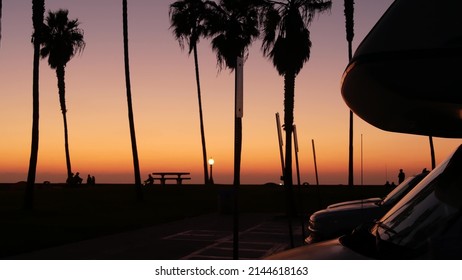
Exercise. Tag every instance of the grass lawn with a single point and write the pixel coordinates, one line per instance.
(62, 214)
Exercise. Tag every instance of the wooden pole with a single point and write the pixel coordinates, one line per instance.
(315, 164)
(281, 143)
(239, 112)
(296, 155)
(300, 196)
(432, 152)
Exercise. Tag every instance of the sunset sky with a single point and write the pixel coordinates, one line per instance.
(166, 109)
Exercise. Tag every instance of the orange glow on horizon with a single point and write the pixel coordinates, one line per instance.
(166, 107)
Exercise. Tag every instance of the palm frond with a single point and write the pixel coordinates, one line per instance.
(349, 21)
(187, 22)
(233, 26)
(271, 21)
(61, 38)
(286, 38)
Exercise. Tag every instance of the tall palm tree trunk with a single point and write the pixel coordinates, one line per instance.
(66, 146)
(38, 9)
(0, 20)
(201, 119)
(349, 25)
(289, 101)
(60, 74)
(136, 166)
(350, 152)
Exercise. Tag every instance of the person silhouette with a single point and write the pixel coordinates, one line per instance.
(149, 181)
(77, 179)
(401, 176)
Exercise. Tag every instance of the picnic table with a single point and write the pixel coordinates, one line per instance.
(177, 176)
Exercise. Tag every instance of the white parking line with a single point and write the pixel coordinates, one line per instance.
(222, 244)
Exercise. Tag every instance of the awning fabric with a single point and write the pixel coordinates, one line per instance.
(406, 75)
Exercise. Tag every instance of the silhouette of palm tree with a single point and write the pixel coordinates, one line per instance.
(0, 20)
(286, 41)
(349, 26)
(38, 9)
(233, 26)
(61, 40)
(136, 165)
(187, 21)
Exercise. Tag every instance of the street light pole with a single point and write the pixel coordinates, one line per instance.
(211, 162)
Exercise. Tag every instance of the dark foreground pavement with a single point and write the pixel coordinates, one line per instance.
(204, 237)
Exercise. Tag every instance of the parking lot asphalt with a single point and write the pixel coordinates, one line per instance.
(204, 237)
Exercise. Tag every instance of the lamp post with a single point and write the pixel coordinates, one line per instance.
(211, 162)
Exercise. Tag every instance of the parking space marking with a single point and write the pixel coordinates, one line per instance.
(255, 243)
(198, 235)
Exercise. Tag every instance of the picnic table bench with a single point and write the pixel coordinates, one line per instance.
(176, 176)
